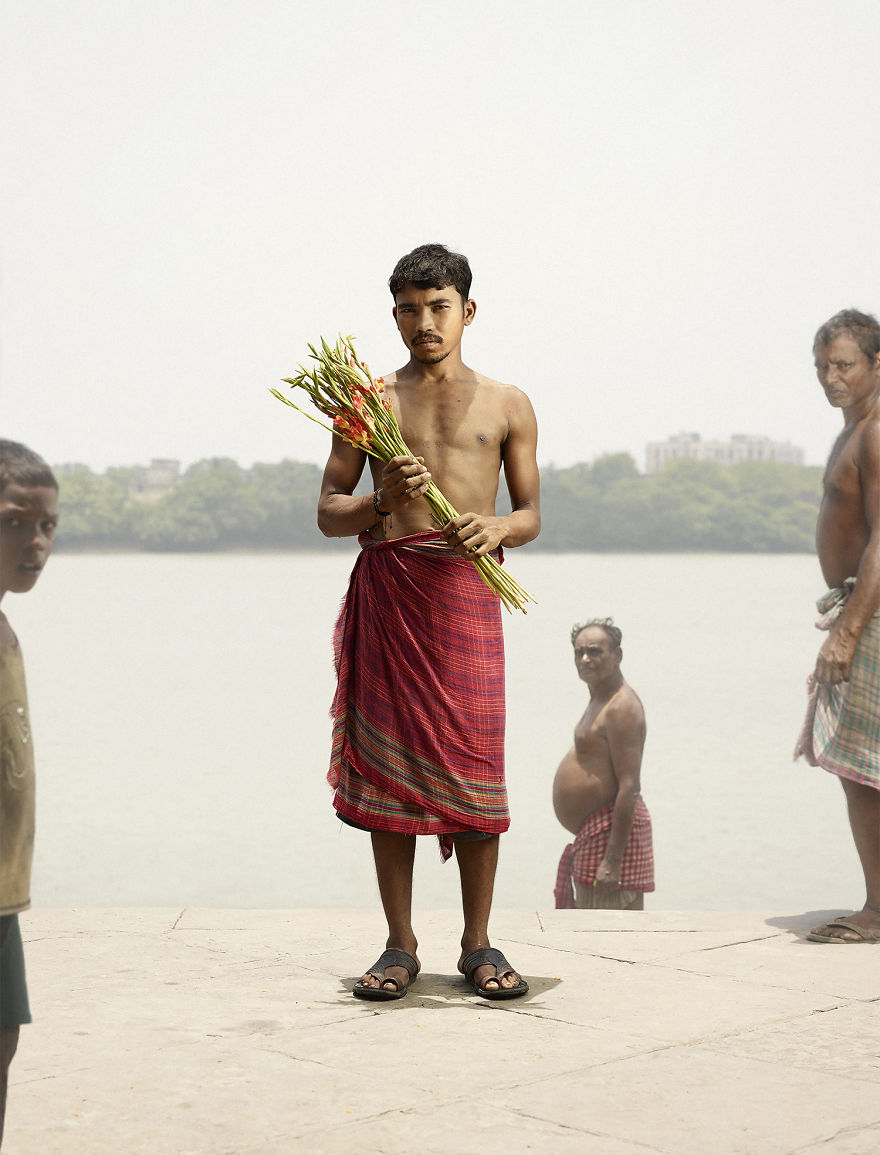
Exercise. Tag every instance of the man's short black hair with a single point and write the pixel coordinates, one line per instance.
(862, 327)
(21, 466)
(615, 636)
(432, 267)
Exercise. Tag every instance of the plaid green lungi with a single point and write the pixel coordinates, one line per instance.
(841, 732)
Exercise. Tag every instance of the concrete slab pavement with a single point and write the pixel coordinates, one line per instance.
(223, 1031)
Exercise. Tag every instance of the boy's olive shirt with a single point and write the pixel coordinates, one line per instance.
(17, 792)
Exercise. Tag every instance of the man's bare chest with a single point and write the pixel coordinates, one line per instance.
(456, 423)
(842, 481)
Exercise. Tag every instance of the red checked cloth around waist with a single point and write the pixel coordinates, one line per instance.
(418, 715)
(582, 858)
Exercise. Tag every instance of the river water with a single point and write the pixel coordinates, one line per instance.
(179, 705)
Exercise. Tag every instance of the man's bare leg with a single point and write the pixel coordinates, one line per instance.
(477, 862)
(8, 1046)
(394, 855)
(863, 806)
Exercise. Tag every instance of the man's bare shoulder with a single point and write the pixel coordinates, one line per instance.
(866, 446)
(625, 708)
(510, 401)
(512, 392)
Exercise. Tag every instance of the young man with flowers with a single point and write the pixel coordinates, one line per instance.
(418, 736)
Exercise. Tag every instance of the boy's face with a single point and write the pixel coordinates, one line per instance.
(28, 517)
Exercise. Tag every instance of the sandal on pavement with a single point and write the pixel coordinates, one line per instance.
(388, 958)
(862, 933)
(488, 955)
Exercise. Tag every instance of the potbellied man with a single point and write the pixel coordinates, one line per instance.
(597, 793)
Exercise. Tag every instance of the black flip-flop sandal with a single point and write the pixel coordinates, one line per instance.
(388, 958)
(489, 955)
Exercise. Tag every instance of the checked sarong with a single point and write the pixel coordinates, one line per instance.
(418, 714)
(841, 732)
(583, 857)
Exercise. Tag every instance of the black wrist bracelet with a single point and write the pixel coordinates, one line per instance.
(380, 512)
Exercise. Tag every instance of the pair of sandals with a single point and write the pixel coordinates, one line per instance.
(484, 956)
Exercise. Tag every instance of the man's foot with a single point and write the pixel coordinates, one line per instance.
(490, 974)
(390, 976)
(863, 926)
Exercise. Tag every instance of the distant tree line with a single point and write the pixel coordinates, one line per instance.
(602, 506)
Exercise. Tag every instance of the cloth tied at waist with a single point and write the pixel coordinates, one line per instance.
(419, 710)
(841, 730)
(582, 858)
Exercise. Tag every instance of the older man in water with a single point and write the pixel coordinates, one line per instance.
(597, 790)
(842, 732)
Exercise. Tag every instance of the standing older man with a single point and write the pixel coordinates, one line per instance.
(597, 788)
(418, 735)
(842, 732)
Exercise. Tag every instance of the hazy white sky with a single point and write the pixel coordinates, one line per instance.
(660, 201)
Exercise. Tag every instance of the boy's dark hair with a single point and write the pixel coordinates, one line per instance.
(432, 267)
(21, 466)
(615, 635)
(862, 327)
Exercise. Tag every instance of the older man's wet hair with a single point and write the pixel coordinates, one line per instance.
(862, 327)
(614, 635)
(432, 267)
(21, 466)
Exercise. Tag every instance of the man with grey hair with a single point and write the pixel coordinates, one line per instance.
(842, 730)
(597, 789)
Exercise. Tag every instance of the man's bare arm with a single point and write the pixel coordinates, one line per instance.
(473, 533)
(837, 652)
(340, 514)
(624, 734)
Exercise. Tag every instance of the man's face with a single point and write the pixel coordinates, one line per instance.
(431, 321)
(595, 658)
(28, 517)
(847, 375)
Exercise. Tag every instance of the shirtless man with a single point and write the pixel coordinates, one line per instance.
(597, 792)
(843, 735)
(419, 709)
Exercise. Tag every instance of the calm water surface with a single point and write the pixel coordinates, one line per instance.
(180, 711)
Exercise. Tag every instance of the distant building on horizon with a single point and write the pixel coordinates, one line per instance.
(146, 483)
(740, 447)
(150, 482)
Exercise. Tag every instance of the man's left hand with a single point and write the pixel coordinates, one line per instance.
(835, 659)
(473, 534)
(608, 875)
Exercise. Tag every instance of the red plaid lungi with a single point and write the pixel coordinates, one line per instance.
(419, 711)
(582, 858)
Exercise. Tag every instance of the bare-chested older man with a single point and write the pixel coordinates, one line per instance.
(597, 788)
(843, 726)
(418, 736)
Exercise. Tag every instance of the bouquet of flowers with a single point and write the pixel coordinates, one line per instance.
(342, 388)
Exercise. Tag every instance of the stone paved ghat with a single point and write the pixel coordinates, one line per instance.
(233, 1031)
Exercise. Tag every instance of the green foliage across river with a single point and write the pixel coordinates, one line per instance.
(603, 506)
